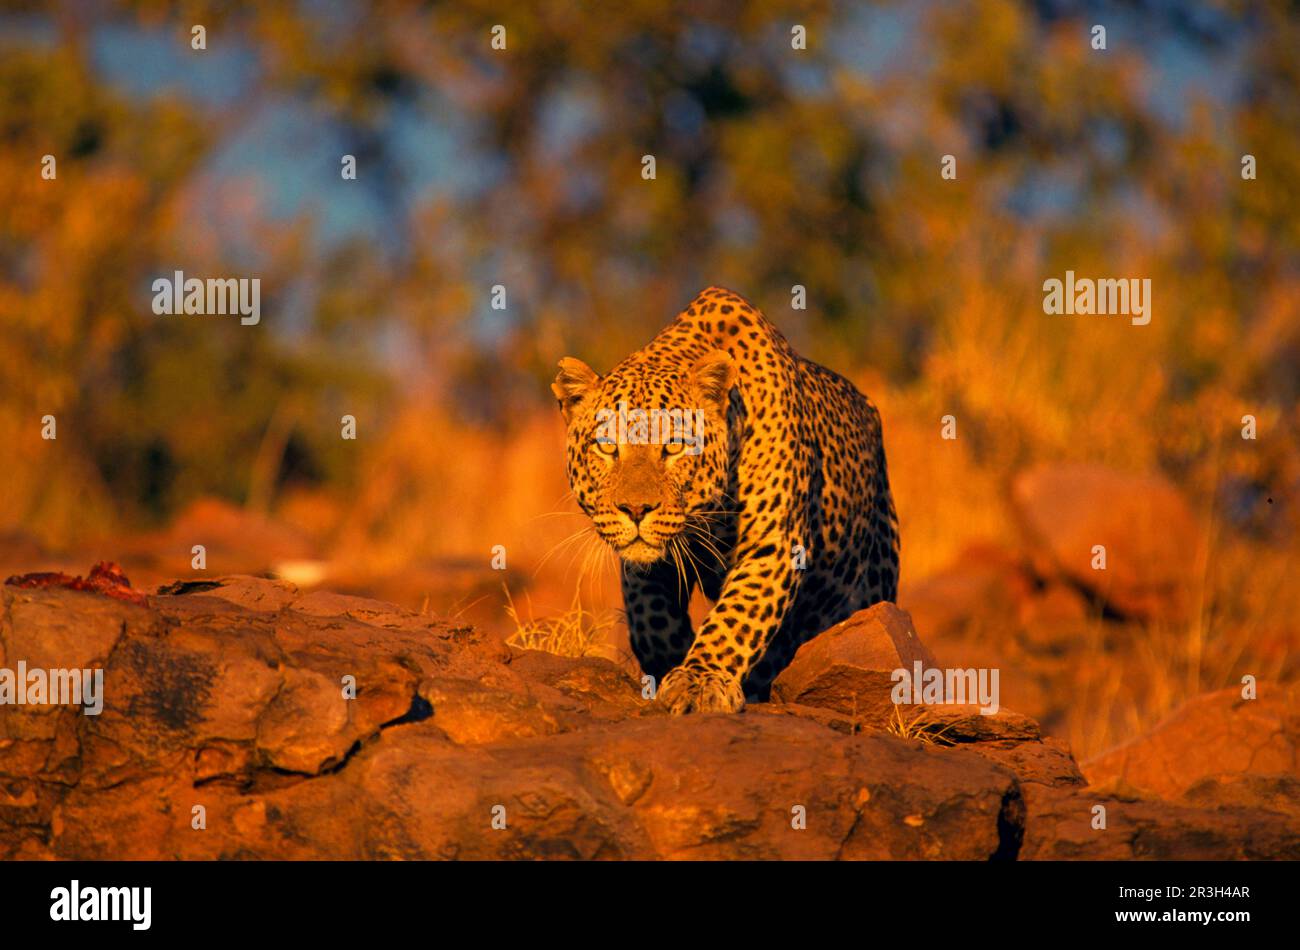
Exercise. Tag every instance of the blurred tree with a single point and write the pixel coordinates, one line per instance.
(775, 167)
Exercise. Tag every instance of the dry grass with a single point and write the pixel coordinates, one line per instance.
(1119, 690)
(920, 727)
(576, 632)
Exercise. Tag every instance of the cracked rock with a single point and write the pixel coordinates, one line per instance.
(244, 720)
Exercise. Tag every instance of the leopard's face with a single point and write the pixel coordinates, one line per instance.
(647, 449)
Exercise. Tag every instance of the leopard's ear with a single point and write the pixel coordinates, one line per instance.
(713, 375)
(574, 380)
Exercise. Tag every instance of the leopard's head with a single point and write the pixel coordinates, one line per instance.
(647, 447)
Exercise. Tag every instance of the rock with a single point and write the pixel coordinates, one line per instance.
(1059, 826)
(1043, 762)
(243, 719)
(1056, 606)
(470, 713)
(849, 667)
(255, 593)
(604, 690)
(1151, 538)
(984, 584)
(1005, 737)
(226, 706)
(1279, 793)
(958, 722)
(1216, 734)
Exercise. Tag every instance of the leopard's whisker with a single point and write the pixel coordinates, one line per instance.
(682, 582)
(718, 557)
(560, 545)
(693, 562)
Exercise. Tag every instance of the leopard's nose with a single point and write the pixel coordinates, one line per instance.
(637, 512)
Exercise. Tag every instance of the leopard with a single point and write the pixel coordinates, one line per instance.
(716, 459)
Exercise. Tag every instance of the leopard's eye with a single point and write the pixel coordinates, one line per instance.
(606, 447)
(674, 448)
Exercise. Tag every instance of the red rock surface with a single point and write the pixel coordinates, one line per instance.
(1059, 825)
(849, 668)
(225, 699)
(1216, 735)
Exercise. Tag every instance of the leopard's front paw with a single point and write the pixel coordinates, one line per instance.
(690, 689)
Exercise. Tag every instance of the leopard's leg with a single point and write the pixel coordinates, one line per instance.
(780, 651)
(750, 611)
(656, 600)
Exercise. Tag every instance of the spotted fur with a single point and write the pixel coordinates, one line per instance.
(791, 464)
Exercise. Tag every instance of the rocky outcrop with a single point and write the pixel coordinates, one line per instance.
(244, 719)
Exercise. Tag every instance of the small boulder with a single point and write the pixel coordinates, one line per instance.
(849, 668)
(1150, 536)
(983, 585)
